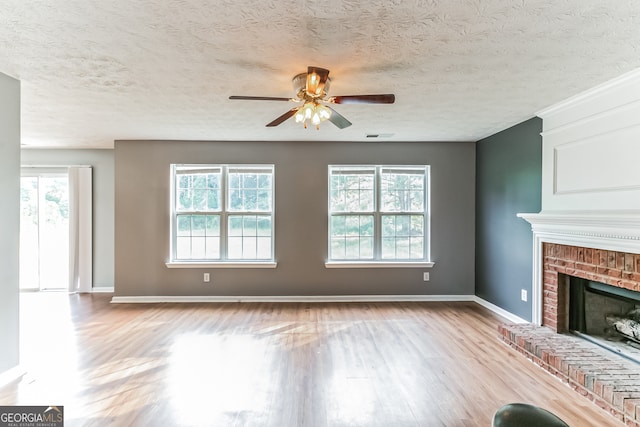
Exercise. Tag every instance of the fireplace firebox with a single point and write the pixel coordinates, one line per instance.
(605, 315)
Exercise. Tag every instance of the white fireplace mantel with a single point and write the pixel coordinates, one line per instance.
(608, 231)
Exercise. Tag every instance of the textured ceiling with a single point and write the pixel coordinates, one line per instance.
(94, 71)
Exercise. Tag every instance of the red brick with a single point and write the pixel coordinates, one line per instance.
(607, 393)
(551, 323)
(551, 301)
(637, 258)
(586, 267)
(595, 277)
(580, 377)
(631, 423)
(620, 260)
(630, 275)
(598, 387)
(558, 251)
(562, 252)
(629, 262)
(611, 259)
(565, 252)
(550, 287)
(604, 258)
(613, 282)
(588, 255)
(580, 255)
(631, 407)
(610, 272)
(550, 277)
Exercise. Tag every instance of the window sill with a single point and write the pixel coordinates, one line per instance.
(373, 264)
(234, 264)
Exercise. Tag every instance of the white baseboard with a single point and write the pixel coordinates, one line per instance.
(11, 375)
(102, 290)
(318, 298)
(504, 313)
(294, 298)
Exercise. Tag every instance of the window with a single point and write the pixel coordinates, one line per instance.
(222, 213)
(378, 213)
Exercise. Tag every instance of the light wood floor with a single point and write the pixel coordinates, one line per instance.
(277, 364)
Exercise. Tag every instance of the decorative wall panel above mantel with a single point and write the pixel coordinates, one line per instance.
(590, 150)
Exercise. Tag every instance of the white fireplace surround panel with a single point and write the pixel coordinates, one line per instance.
(590, 174)
(591, 149)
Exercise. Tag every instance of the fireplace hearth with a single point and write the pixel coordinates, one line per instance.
(603, 375)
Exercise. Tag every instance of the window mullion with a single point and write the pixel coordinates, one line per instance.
(174, 213)
(223, 214)
(377, 229)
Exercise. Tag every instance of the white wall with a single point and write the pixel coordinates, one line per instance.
(9, 221)
(591, 150)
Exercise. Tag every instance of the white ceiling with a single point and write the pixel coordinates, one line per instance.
(95, 71)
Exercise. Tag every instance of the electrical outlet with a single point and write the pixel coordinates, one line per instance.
(523, 295)
(425, 276)
(206, 278)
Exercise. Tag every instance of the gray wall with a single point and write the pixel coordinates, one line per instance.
(9, 221)
(508, 181)
(103, 199)
(142, 179)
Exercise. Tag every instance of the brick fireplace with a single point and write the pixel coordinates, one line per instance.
(619, 269)
(594, 248)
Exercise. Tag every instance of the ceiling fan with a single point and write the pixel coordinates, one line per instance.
(311, 90)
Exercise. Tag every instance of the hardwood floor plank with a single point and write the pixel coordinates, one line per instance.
(277, 364)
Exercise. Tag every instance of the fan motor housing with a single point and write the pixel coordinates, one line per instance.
(300, 83)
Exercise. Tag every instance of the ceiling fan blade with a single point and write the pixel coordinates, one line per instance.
(283, 117)
(316, 79)
(338, 119)
(387, 98)
(259, 98)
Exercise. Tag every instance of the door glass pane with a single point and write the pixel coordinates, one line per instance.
(54, 233)
(44, 232)
(29, 247)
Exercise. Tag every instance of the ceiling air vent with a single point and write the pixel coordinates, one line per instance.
(379, 135)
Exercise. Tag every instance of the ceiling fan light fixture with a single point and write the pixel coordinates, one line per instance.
(311, 90)
(314, 112)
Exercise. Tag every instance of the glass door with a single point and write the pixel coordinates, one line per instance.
(44, 231)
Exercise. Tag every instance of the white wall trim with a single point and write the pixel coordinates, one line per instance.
(499, 311)
(103, 290)
(11, 375)
(319, 298)
(588, 94)
(292, 298)
(221, 264)
(372, 264)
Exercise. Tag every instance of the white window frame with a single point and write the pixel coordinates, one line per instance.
(224, 213)
(377, 261)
